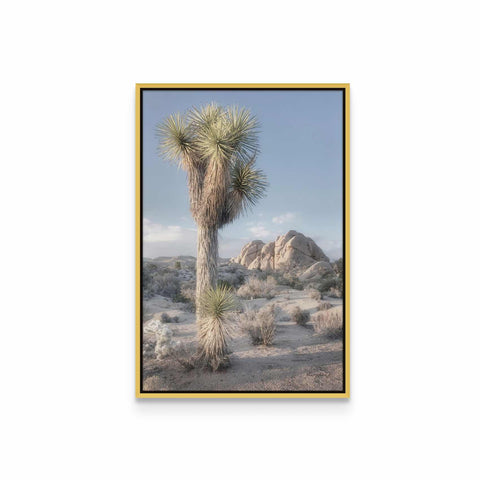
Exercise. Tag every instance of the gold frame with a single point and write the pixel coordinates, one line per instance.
(138, 350)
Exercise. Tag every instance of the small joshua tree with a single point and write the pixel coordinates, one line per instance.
(215, 328)
(217, 147)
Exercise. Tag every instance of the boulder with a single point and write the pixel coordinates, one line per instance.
(267, 257)
(249, 253)
(316, 271)
(295, 251)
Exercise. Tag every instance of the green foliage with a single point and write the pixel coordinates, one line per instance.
(217, 302)
(215, 328)
(178, 265)
(217, 146)
(248, 184)
(219, 132)
(177, 140)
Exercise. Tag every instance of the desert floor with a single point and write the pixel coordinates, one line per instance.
(298, 360)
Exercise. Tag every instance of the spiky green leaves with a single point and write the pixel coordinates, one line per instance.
(243, 131)
(176, 138)
(217, 147)
(248, 184)
(212, 132)
(217, 302)
(214, 328)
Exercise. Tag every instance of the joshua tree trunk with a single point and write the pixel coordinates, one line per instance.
(207, 255)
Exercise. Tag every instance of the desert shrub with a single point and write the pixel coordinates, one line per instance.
(166, 318)
(330, 284)
(296, 284)
(226, 284)
(231, 278)
(158, 280)
(168, 285)
(188, 293)
(329, 323)
(189, 307)
(238, 279)
(184, 355)
(300, 317)
(324, 306)
(229, 268)
(215, 327)
(271, 280)
(178, 265)
(259, 325)
(187, 297)
(338, 267)
(288, 280)
(261, 275)
(315, 294)
(266, 319)
(256, 288)
(179, 298)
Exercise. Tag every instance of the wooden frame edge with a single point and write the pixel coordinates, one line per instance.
(138, 88)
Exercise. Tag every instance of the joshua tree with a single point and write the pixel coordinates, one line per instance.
(217, 147)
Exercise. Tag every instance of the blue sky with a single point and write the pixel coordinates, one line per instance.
(300, 152)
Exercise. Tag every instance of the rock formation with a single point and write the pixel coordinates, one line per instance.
(316, 270)
(290, 252)
(249, 253)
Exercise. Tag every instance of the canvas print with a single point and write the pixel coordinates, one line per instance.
(242, 254)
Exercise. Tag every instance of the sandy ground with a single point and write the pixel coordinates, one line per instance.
(298, 360)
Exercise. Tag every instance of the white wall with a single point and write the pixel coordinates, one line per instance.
(67, 242)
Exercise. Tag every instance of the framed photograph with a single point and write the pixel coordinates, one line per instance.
(242, 240)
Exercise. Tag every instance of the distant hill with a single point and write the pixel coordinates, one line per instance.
(185, 260)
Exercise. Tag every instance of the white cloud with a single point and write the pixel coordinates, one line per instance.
(167, 240)
(286, 217)
(260, 231)
(155, 232)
